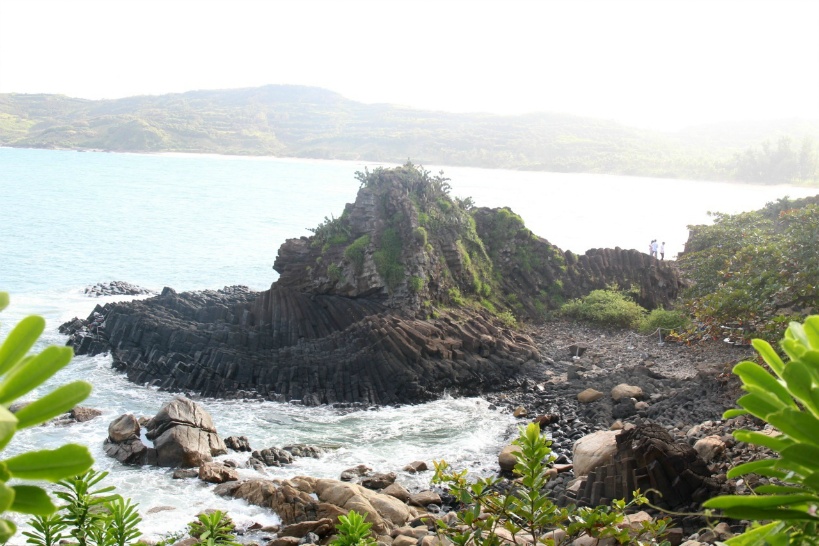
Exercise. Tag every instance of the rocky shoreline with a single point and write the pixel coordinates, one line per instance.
(684, 389)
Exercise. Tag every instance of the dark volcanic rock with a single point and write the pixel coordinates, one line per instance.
(383, 305)
(116, 288)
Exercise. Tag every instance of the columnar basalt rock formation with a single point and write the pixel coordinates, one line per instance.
(408, 294)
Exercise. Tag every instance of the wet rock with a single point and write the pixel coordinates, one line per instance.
(184, 435)
(238, 443)
(212, 472)
(415, 467)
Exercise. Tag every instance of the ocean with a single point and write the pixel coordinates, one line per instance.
(191, 222)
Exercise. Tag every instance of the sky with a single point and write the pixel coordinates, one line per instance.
(662, 64)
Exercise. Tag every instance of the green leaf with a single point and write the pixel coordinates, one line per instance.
(8, 426)
(811, 329)
(769, 355)
(6, 497)
(52, 465)
(756, 467)
(735, 412)
(765, 514)
(30, 499)
(35, 372)
(7, 530)
(760, 404)
(779, 490)
(776, 443)
(4, 300)
(19, 341)
(801, 426)
(800, 382)
(757, 535)
(53, 404)
(801, 454)
(759, 501)
(753, 375)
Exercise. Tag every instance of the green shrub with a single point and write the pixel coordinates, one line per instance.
(356, 252)
(416, 284)
(754, 267)
(525, 511)
(353, 531)
(335, 272)
(455, 297)
(665, 320)
(214, 529)
(785, 510)
(607, 307)
(20, 373)
(508, 319)
(387, 258)
(420, 235)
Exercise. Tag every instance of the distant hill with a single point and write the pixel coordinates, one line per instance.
(308, 122)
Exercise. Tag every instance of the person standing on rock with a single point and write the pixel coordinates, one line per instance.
(662, 251)
(653, 248)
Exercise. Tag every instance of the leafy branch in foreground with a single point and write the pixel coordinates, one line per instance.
(525, 515)
(20, 373)
(787, 399)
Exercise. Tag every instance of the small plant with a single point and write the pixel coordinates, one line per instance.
(788, 399)
(416, 284)
(353, 531)
(214, 529)
(335, 272)
(526, 513)
(608, 307)
(508, 319)
(84, 510)
(356, 252)
(455, 297)
(665, 320)
(47, 530)
(20, 373)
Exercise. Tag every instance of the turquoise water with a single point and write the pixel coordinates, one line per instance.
(70, 220)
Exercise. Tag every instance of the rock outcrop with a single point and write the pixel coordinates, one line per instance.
(182, 432)
(647, 457)
(407, 295)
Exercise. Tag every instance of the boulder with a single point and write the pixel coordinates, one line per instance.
(589, 395)
(507, 459)
(378, 480)
(272, 456)
(710, 448)
(593, 450)
(425, 498)
(415, 467)
(626, 391)
(398, 491)
(237, 443)
(124, 444)
(217, 473)
(184, 435)
(82, 414)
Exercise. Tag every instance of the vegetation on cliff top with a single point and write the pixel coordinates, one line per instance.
(755, 271)
(309, 122)
(432, 250)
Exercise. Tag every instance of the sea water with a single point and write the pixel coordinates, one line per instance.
(69, 220)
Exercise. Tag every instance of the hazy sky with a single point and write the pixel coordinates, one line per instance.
(654, 63)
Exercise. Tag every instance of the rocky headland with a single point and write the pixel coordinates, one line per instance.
(408, 294)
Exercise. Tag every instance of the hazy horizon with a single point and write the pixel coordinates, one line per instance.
(653, 64)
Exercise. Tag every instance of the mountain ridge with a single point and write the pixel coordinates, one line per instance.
(316, 123)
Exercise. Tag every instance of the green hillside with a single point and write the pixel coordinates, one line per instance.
(309, 122)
